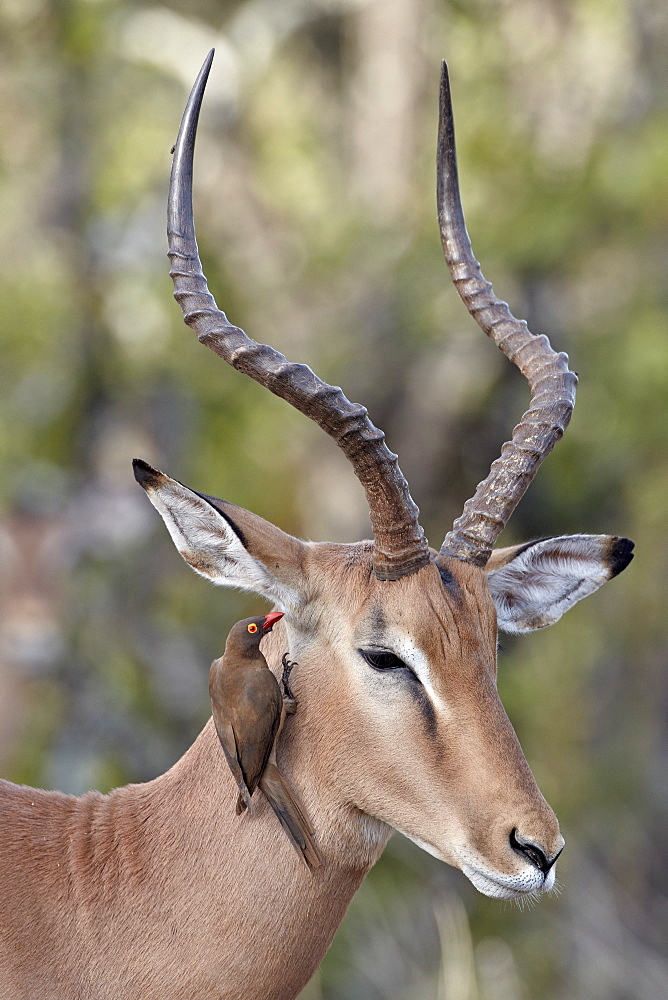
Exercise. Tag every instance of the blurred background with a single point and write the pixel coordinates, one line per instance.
(317, 224)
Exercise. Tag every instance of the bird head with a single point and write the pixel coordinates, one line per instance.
(250, 631)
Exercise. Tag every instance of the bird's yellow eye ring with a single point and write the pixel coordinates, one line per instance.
(252, 627)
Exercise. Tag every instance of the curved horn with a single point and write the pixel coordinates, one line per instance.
(400, 547)
(552, 384)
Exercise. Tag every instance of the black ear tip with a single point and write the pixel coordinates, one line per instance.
(145, 474)
(620, 554)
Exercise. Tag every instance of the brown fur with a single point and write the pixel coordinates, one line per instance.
(159, 891)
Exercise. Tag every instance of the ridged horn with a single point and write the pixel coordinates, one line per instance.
(551, 383)
(400, 547)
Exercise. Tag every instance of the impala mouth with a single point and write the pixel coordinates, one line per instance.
(529, 882)
(525, 883)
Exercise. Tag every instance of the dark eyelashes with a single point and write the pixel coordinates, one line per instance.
(383, 660)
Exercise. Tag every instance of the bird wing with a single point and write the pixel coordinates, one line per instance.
(229, 745)
(255, 723)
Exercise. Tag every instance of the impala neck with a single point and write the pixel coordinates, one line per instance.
(267, 936)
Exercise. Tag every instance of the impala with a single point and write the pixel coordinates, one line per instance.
(159, 890)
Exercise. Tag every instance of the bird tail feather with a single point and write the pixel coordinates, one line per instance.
(290, 815)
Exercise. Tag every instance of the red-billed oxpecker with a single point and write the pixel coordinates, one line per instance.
(249, 711)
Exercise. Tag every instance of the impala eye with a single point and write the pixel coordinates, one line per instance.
(382, 659)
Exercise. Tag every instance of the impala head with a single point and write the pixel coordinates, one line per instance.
(396, 642)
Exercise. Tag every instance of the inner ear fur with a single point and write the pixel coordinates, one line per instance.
(280, 553)
(226, 544)
(534, 584)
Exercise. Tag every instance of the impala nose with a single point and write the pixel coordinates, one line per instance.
(532, 852)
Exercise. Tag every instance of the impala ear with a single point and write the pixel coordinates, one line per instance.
(226, 544)
(533, 585)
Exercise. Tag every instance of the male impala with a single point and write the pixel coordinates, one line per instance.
(160, 891)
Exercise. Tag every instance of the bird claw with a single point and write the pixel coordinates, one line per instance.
(289, 699)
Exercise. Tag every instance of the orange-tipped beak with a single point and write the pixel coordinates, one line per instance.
(271, 620)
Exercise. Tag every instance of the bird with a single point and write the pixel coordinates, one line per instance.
(249, 712)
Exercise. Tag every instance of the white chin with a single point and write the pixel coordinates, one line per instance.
(527, 883)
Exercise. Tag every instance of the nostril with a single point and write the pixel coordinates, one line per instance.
(532, 852)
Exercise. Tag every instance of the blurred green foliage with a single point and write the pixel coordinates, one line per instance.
(316, 221)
